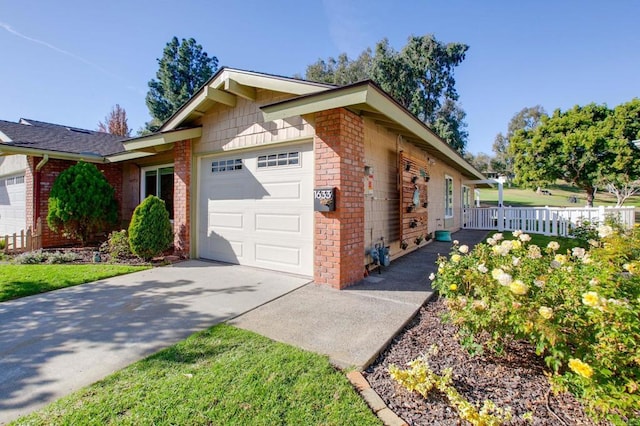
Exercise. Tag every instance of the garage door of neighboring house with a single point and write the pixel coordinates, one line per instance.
(12, 204)
(256, 208)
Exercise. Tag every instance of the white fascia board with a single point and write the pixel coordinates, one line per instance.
(162, 139)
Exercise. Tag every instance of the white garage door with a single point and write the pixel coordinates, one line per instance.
(256, 209)
(12, 205)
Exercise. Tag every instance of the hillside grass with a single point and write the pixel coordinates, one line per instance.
(560, 194)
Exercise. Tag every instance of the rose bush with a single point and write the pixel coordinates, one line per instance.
(581, 310)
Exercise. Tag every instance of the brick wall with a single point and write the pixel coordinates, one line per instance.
(47, 175)
(339, 162)
(181, 196)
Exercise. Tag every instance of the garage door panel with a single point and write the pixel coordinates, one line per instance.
(225, 221)
(259, 217)
(278, 255)
(12, 205)
(282, 191)
(278, 223)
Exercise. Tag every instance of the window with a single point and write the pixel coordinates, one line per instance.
(279, 160)
(226, 165)
(466, 197)
(19, 179)
(158, 181)
(448, 194)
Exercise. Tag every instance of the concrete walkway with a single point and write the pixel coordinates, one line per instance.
(55, 343)
(352, 326)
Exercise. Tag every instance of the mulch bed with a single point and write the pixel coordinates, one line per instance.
(514, 380)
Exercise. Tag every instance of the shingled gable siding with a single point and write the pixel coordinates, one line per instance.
(339, 162)
(48, 174)
(181, 196)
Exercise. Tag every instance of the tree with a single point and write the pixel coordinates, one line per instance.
(420, 77)
(622, 179)
(527, 119)
(183, 69)
(115, 123)
(150, 230)
(81, 203)
(481, 161)
(341, 71)
(582, 146)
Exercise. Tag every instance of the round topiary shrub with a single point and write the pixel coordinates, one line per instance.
(150, 230)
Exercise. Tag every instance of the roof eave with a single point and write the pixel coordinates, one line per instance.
(233, 82)
(161, 141)
(367, 95)
(6, 149)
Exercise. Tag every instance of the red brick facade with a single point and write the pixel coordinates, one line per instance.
(339, 162)
(181, 196)
(42, 181)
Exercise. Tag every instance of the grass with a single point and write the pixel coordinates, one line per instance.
(221, 376)
(25, 280)
(559, 197)
(542, 241)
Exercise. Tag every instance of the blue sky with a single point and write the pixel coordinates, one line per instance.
(70, 61)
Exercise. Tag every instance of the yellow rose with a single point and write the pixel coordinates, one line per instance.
(591, 298)
(560, 258)
(456, 258)
(453, 287)
(545, 312)
(518, 287)
(580, 368)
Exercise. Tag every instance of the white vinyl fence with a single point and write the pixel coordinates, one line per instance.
(556, 221)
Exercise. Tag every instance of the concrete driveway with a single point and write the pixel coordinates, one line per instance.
(55, 343)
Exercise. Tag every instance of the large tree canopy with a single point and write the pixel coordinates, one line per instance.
(183, 69)
(525, 119)
(420, 77)
(581, 146)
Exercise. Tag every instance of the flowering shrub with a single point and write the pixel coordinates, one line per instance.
(581, 310)
(420, 378)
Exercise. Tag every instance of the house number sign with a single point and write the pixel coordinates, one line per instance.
(324, 199)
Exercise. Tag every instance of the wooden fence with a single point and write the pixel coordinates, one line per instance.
(24, 241)
(556, 221)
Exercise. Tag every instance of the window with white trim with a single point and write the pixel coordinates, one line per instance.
(158, 181)
(466, 197)
(448, 197)
(282, 159)
(218, 166)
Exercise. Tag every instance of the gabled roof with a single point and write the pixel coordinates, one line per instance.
(32, 137)
(228, 84)
(367, 99)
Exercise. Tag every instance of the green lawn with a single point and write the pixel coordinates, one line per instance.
(222, 376)
(24, 280)
(559, 197)
(542, 241)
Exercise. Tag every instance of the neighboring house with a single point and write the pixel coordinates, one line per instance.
(241, 164)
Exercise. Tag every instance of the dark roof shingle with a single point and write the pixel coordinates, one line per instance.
(55, 137)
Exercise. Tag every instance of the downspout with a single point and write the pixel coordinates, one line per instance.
(36, 179)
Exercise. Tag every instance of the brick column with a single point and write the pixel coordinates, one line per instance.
(339, 162)
(182, 197)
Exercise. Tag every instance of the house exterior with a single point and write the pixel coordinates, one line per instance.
(282, 174)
